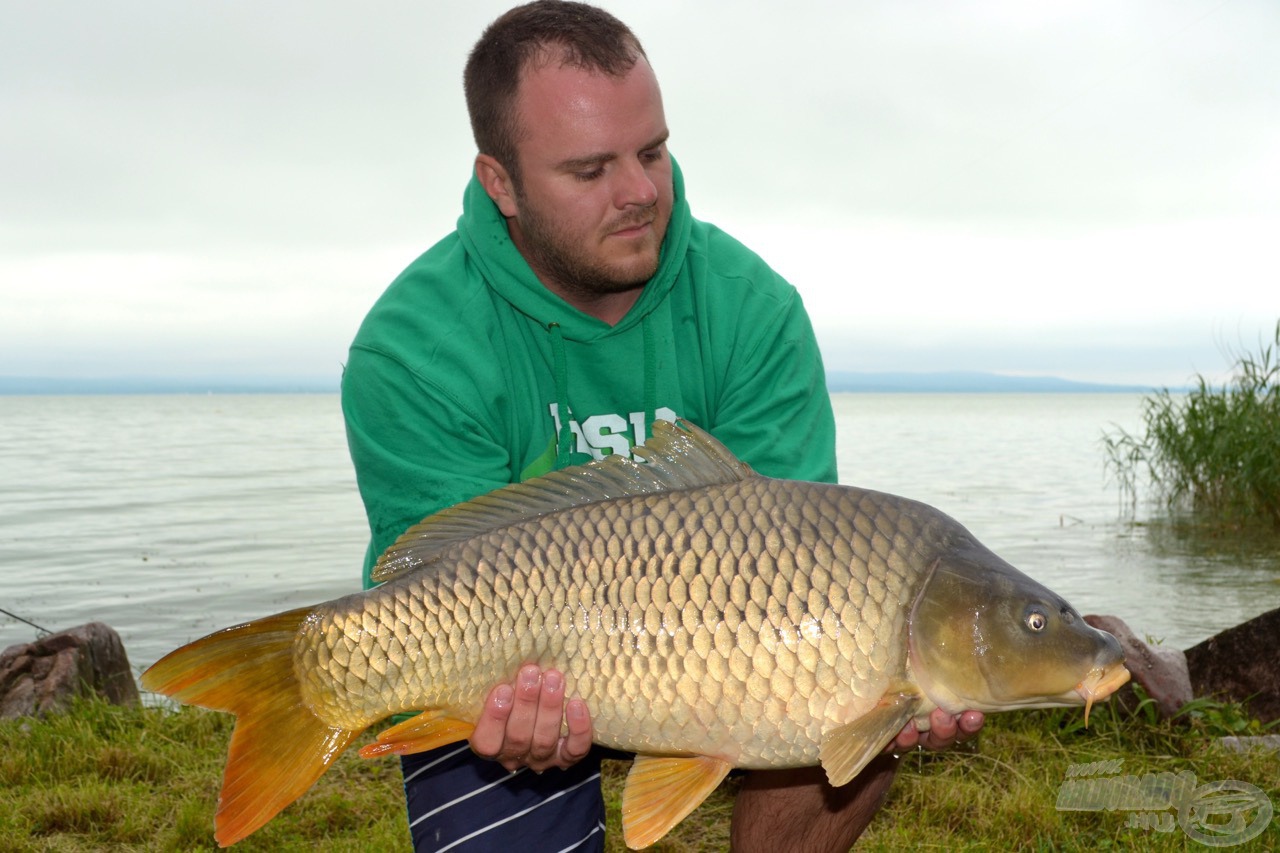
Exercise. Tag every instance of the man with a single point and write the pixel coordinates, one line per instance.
(577, 302)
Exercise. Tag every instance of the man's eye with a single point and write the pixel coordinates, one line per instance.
(653, 155)
(589, 176)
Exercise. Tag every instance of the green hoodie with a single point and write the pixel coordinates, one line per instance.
(460, 376)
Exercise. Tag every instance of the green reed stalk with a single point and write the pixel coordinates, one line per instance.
(1215, 451)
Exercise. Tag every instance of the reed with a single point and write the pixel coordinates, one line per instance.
(1214, 451)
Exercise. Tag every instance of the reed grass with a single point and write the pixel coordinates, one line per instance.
(146, 779)
(1214, 451)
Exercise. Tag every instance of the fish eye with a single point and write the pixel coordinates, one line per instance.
(1036, 619)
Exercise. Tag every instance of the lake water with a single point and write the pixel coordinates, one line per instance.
(170, 516)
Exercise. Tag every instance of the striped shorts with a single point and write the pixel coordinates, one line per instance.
(458, 801)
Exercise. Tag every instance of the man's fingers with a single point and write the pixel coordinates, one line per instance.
(505, 727)
(546, 728)
(523, 724)
(486, 741)
(906, 739)
(942, 728)
(970, 723)
(575, 746)
(945, 730)
(524, 713)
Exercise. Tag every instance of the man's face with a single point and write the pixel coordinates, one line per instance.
(594, 194)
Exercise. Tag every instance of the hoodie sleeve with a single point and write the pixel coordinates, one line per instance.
(774, 410)
(415, 449)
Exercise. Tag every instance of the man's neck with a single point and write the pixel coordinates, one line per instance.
(607, 307)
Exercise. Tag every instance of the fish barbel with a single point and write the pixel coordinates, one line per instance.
(710, 617)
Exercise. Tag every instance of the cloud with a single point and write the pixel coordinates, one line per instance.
(183, 182)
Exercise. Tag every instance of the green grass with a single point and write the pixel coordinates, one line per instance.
(1214, 451)
(107, 778)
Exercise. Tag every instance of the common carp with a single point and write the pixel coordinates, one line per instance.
(710, 617)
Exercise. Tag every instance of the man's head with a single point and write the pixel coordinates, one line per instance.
(569, 122)
(572, 34)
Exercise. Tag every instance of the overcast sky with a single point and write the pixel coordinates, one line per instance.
(1084, 189)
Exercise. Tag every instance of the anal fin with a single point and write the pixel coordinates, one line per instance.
(661, 790)
(418, 734)
(846, 750)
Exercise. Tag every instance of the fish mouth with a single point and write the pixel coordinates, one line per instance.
(1100, 683)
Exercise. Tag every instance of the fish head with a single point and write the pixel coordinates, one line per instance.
(986, 637)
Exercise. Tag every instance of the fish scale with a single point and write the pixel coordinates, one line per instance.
(709, 617)
(657, 611)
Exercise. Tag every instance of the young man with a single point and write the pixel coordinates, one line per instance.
(577, 302)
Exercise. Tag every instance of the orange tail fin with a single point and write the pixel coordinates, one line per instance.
(279, 747)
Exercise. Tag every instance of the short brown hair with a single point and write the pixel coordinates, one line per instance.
(588, 38)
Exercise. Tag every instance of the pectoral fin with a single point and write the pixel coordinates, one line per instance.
(661, 791)
(418, 734)
(846, 750)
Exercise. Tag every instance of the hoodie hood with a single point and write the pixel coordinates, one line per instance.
(483, 232)
(468, 374)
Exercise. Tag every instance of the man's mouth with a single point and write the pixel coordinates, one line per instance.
(633, 229)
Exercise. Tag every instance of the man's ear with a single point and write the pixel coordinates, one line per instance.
(496, 181)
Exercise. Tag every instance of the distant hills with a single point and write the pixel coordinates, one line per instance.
(953, 382)
(958, 382)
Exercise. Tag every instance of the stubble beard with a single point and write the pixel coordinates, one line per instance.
(554, 254)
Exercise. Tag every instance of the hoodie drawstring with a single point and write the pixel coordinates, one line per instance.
(650, 381)
(560, 368)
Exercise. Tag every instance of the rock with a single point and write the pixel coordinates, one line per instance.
(45, 676)
(1162, 671)
(1241, 662)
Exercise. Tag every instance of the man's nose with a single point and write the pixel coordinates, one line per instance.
(636, 187)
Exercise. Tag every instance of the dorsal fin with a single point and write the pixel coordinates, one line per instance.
(679, 456)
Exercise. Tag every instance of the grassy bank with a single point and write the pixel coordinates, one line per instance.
(105, 778)
(109, 778)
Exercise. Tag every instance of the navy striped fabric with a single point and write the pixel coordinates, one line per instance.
(460, 802)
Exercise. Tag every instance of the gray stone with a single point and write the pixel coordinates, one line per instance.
(46, 676)
(1162, 671)
(1242, 664)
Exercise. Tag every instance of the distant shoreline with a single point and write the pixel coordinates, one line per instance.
(953, 382)
(969, 382)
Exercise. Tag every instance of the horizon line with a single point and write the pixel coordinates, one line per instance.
(837, 381)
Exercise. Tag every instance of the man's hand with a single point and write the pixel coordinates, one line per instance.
(520, 725)
(945, 730)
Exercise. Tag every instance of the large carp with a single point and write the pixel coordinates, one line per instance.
(710, 617)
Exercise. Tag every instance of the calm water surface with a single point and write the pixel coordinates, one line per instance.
(171, 516)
